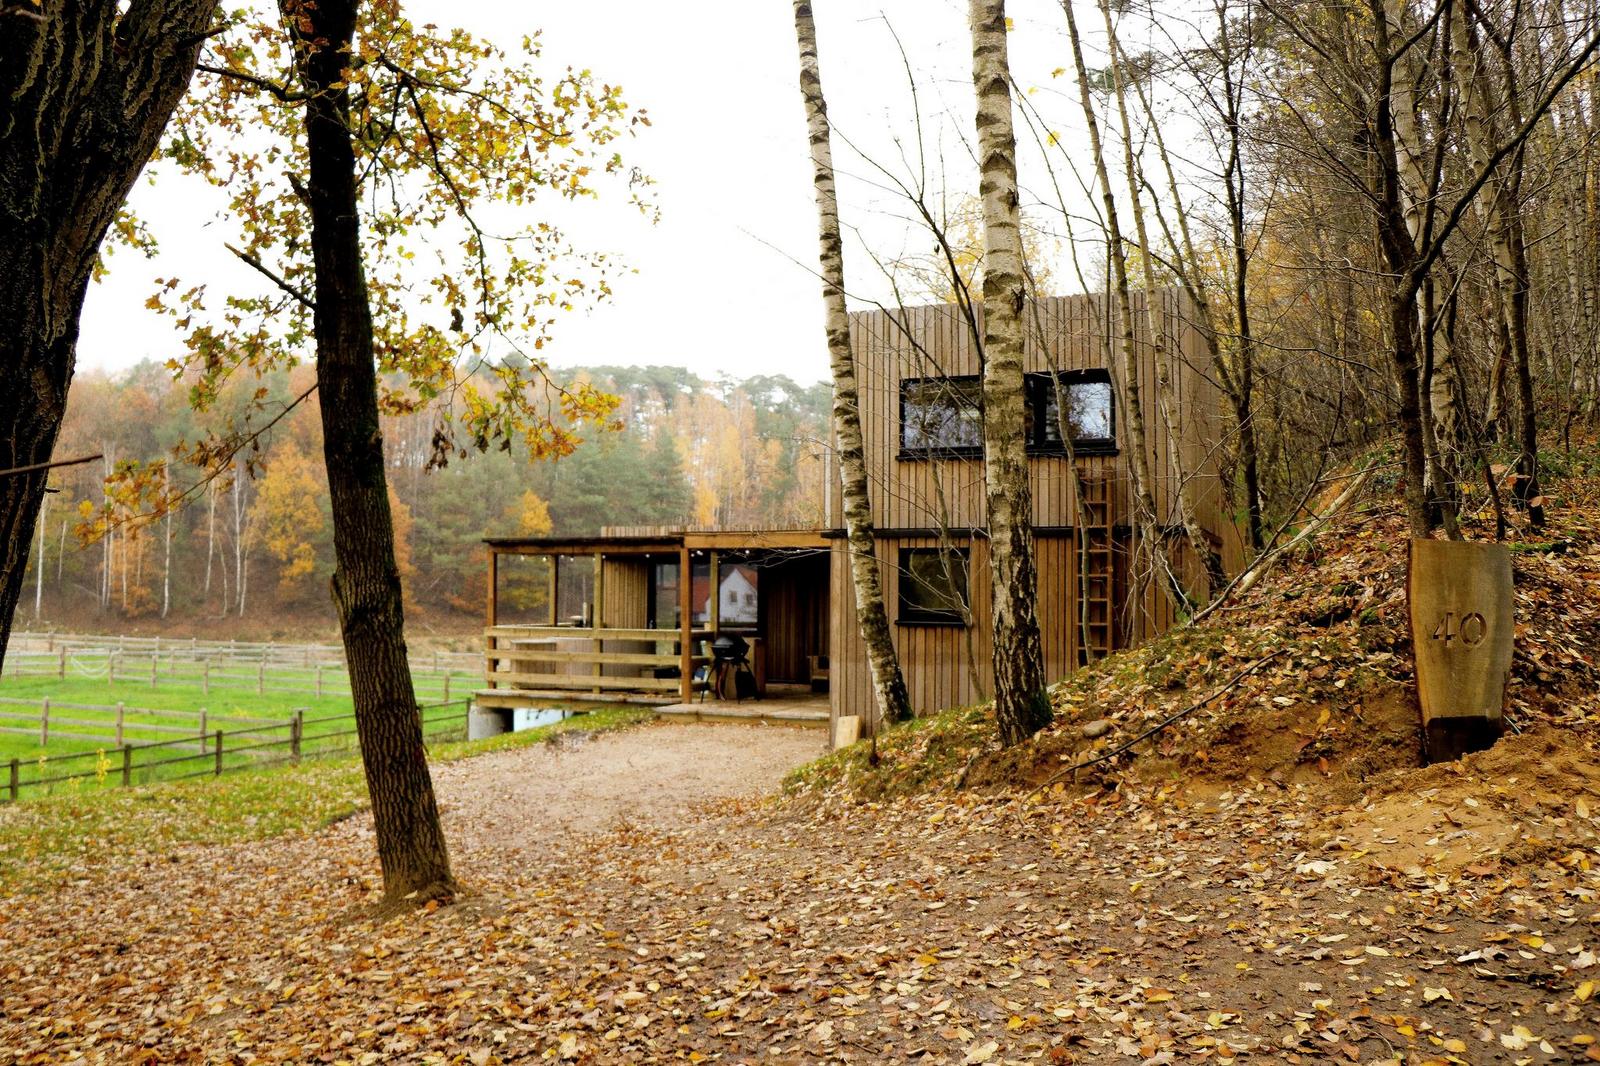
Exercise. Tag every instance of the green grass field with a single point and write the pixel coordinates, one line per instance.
(47, 839)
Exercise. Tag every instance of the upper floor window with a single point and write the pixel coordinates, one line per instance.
(1089, 412)
(943, 417)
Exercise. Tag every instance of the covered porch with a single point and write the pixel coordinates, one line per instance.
(630, 617)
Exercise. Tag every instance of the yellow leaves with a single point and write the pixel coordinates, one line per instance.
(982, 1052)
(1584, 990)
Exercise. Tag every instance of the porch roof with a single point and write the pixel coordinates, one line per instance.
(695, 539)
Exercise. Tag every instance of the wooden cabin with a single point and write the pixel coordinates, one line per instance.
(613, 617)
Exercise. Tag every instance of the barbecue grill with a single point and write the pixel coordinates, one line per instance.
(731, 676)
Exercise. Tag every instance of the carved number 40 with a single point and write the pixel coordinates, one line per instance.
(1470, 629)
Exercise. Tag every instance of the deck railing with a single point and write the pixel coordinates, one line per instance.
(556, 658)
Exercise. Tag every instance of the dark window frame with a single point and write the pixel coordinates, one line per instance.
(1037, 386)
(913, 615)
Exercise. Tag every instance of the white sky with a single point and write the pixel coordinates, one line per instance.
(723, 282)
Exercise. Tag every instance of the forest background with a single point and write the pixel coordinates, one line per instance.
(250, 553)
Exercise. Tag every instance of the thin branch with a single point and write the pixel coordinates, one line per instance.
(275, 278)
(35, 467)
(288, 96)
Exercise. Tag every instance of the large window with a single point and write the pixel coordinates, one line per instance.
(1089, 411)
(943, 417)
(933, 586)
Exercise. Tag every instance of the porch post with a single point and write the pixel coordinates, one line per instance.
(714, 604)
(599, 613)
(491, 615)
(490, 606)
(685, 627)
(555, 566)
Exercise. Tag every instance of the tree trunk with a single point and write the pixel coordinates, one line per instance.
(1021, 705)
(211, 534)
(1502, 219)
(166, 564)
(366, 579)
(85, 91)
(894, 704)
(1132, 406)
(1399, 249)
(38, 565)
(1205, 555)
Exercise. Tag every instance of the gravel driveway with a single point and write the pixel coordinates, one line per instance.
(653, 775)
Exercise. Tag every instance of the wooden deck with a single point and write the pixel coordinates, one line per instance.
(536, 697)
(806, 710)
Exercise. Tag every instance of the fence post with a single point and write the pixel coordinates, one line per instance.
(202, 729)
(219, 753)
(111, 668)
(205, 678)
(119, 723)
(296, 732)
(15, 783)
(44, 721)
(447, 687)
(155, 662)
(62, 671)
(127, 766)
(261, 678)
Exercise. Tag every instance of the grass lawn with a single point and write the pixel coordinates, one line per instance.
(50, 839)
(82, 734)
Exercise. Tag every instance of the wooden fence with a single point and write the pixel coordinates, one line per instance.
(170, 666)
(232, 651)
(46, 721)
(220, 751)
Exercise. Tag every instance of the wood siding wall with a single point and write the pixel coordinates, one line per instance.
(912, 494)
(794, 614)
(1065, 333)
(947, 666)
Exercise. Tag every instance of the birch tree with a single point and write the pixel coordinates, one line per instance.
(1166, 402)
(893, 702)
(1129, 394)
(1022, 707)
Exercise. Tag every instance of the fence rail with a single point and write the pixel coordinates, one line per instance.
(272, 652)
(221, 751)
(317, 679)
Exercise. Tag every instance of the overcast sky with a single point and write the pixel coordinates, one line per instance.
(723, 282)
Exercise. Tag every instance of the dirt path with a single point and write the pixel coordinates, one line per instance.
(654, 776)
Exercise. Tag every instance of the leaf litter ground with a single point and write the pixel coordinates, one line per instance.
(1273, 880)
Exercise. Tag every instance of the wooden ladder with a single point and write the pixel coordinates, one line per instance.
(1095, 611)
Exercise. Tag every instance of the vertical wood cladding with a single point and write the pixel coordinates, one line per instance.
(948, 665)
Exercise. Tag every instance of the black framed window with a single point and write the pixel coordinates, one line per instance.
(933, 586)
(943, 417)
(1091, 412)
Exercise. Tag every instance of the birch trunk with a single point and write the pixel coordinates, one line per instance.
(211, 534)
(166, 565)
(1502, 219)
(38, 566)
(366, 579)
(238, 539)
(1399, 250)
(1210, 562)
(1132, 407)
(893, 702)
(1022, 707)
